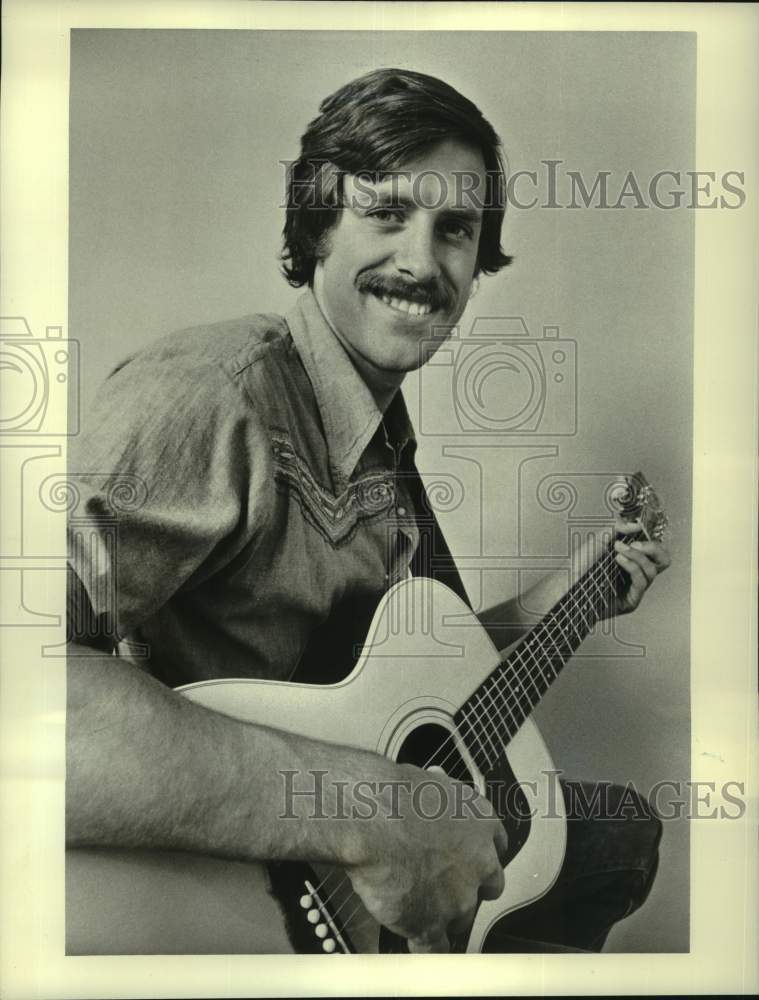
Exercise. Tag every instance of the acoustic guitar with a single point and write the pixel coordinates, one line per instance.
(429, 688)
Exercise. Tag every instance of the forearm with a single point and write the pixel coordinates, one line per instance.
(509, 621)
(147, 767)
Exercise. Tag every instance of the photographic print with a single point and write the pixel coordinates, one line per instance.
(368, 437)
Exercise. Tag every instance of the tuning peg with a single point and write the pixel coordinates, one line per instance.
(660, 528)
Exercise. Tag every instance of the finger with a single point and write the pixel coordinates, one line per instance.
(462, 924)
(656, 552)
(436, 941)
(436, 769)
(638, 583)
(627, 527)
(501, 842)
(492, 887)
(642, 561)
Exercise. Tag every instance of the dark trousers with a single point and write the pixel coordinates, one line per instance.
(609, 868)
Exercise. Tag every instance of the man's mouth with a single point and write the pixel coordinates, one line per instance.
(413, 300)
(405, 306)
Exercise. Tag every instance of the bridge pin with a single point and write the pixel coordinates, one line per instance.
(321, 930)
(329, 945)
(306, 902)
(313, 916)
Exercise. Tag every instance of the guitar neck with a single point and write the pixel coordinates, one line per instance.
(494, 713)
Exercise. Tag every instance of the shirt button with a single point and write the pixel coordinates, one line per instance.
(401, 512)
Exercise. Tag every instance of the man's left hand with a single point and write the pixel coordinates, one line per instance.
(642, 561)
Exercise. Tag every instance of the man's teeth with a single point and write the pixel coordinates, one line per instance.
(403, 305)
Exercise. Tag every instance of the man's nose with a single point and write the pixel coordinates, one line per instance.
(416, 255)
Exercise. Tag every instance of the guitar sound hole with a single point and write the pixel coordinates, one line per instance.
(432, 745)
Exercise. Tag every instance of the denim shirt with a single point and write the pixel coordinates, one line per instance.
(258, 497)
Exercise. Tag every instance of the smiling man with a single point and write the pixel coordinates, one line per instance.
(281, 501)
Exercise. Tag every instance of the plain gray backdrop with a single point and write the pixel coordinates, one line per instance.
(175, 219)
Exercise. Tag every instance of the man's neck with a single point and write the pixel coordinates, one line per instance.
(382, 384)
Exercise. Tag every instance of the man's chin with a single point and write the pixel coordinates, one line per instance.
(415, 354)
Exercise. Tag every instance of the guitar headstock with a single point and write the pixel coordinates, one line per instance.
(636, 500)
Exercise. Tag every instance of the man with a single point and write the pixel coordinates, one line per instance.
(281, 501)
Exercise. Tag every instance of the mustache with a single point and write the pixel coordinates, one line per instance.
(433, 292)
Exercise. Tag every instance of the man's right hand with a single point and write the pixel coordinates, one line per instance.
(423, 877)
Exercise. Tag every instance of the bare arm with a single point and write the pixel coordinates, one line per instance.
(147, 767)
(510, 620)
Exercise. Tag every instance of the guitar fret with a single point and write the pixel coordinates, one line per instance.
(536, 663)
(502, 735)
(518, 681)
(558, 653)
(516, 692)
(514, 726)
(465, 720)
(600, 595)
(517, 685)
(484, 729)
(475, 746)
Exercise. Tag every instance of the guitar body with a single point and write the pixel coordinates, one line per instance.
(425, 654)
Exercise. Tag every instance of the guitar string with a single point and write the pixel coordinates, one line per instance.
(572, 607)
(608, 561)
(351, 918)
(517, 678)
(514, 677)
(349, 921)
(516, 688)
(582, 587)
(516, 681)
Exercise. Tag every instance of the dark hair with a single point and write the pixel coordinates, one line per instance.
(374, 125)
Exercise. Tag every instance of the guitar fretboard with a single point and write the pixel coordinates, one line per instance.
(493, 714)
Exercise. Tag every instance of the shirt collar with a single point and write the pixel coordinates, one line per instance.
(347, 408)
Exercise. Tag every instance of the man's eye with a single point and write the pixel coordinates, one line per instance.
(387, 215)
(457, 230)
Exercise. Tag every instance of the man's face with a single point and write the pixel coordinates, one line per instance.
(400, 261)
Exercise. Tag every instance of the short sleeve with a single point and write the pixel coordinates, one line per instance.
(172, 472)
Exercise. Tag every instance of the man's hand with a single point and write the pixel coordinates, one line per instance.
(642, 561)
(423, 878)
(508, 622)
